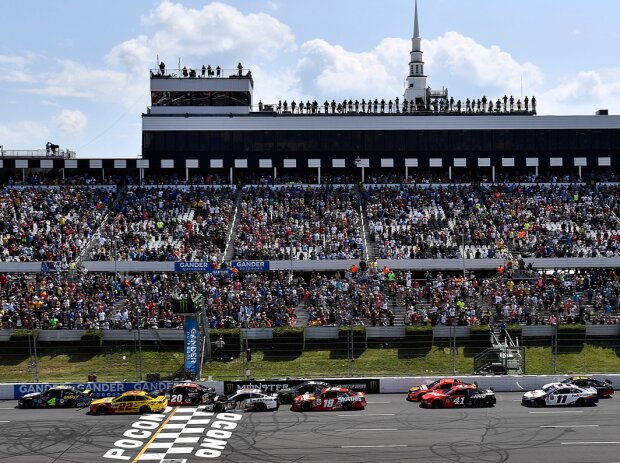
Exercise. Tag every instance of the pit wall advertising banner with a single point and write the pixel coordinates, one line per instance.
(99, 389)
(191, 345)
(368, 385)
(250, 265)
(200, 267)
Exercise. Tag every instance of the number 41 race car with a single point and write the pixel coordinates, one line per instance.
(459, 396)
(333, 398)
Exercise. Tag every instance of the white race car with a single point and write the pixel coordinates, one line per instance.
(246, 399)
(560, 394)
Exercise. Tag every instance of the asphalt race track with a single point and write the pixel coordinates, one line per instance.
(390, 429)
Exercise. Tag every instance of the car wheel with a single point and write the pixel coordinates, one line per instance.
(218, 407)
(145, 409)
(260, 407)
(102, 410)
(27, 404)
(539, 403)
(469, 403)
(195, 401)
(437, 404)
(284, 399)
(580, 402)
(70, 403)
(347, 406)
(306, 406)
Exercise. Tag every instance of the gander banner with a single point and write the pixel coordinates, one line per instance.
(191, 345)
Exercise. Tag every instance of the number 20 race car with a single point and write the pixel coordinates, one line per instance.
(560, 394)
(463, 395)
(57, 396)
(333, 398)
(189, 394)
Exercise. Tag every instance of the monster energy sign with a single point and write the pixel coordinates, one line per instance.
(183, 306)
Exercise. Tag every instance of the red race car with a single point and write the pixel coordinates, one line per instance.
(416, 392)
(332, 398)
(461, 395)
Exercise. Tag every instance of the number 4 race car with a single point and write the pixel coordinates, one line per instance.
(333, 398)
(57, 396)
(246, 399)
(560, 394)
(189, 394)
(129, 402)
(459, 396)
(603, 388)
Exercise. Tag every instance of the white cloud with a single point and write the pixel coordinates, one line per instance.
(214, 29)
(584, 94)
(71, 121)
(479, 65)
(273, 5)
(27, 133)
(15, 68)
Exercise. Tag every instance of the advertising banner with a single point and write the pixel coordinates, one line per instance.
(250, 265)
(191, 345)
(200, 267)
(368, 385)
(100, 389)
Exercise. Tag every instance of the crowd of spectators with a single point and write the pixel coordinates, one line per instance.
(298, 222)
(49, 224)
(167, 224)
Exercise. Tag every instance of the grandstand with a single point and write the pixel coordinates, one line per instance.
(420, 210)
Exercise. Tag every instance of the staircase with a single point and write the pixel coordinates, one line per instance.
(504, 358)
(229, 250)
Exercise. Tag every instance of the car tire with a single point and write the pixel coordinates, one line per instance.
(102, 410)
(437, 404)
(260, 407)
(219, 407)
(70, 403)
(284, 399)
(347, 406)
(539, 403)
(469, 403)
(580, 402)
(27, 404)
(306, 406)
(145, 409)
(195, 401)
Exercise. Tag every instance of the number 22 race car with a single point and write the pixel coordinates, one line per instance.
(333, 398)
(129, 402)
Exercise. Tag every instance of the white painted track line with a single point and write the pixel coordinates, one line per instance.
(372, 446)
(592, 443)
(556, 411)
(369, 414)
(572, 426)
(367, 429)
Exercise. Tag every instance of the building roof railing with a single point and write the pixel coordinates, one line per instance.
(201, 73)
(41, 153)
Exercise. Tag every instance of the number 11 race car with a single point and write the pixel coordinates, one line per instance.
(463, 395)
(332, 398)
(560, 394)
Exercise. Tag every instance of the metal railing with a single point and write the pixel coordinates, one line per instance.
(212, 73)
(42, 153)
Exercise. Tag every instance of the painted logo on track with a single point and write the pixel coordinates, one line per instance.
(178, 433)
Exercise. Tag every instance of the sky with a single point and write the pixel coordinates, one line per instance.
(76, 73)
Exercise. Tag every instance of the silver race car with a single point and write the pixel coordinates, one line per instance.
(246, 399)
(560, 394)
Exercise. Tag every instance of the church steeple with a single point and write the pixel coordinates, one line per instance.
(416, 81)
(416, 28)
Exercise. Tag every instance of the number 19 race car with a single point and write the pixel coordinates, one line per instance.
(332, 398)
(462, 395)
(189, 394)
(245, 399)
(603, 388)
(560, 394)
(129, 402)
(57, 396)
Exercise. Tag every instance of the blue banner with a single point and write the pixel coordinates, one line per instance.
(250, 265)
(204, 267)
(100, 389)
(191, 345)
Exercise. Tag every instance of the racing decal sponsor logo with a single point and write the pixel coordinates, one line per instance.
(175, 433)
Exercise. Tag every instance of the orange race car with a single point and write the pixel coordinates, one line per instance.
(416, 392)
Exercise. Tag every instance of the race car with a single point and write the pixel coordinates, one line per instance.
(286, 396)
(416, 392)
(560, 394)
(331, 398)
(461, 395)
(245, 399)
(603, 388)
(189, 394)
(57, 396)
(129, 402)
